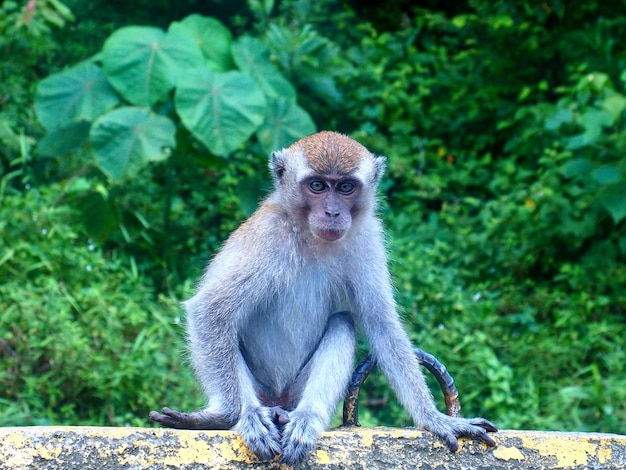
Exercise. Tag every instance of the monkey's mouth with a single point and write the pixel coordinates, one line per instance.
(330, 235)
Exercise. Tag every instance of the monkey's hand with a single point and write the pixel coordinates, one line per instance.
(196, 420)
(300, 436)
(258, 429)
(450, 429)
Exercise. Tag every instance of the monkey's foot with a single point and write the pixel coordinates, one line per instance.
(194, 420)
(450, 429)
(257, 427)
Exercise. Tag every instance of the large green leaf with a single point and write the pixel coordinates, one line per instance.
(127, 138)
(212, 37)
(576, 167)
(143, 63)
(607, 174)
(222, 110)
(614, 201)
(284, 123)
(99, 213)
(60, 141)
(559, 117)
(593, 121)
(78, 93)
(253, 58)
(615, 104)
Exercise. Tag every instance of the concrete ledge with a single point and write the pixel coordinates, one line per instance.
(70, 448)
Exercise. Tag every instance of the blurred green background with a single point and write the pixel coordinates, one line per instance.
(505, 198)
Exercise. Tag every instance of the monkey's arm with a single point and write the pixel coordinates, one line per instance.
(324, 381)
(391, 346)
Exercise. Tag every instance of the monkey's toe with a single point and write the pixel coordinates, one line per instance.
(449, 429)
(485, 424)
(170, 418)
(478, 428)
(487, 439)
(451, 442)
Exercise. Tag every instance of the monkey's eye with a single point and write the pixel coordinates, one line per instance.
(317, 186)
(346, 187)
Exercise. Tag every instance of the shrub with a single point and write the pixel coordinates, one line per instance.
(85, 339)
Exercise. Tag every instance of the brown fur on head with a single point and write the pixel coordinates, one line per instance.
(331, 152)
(327, 153)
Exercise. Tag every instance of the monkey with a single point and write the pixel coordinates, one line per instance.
(272, 325)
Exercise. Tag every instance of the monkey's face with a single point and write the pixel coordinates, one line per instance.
(327, 180)
(329, 205)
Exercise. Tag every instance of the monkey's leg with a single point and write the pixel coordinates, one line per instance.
(219, 383)
(257, 424)
(322, 382)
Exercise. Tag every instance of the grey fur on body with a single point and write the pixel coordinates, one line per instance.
(271, 326)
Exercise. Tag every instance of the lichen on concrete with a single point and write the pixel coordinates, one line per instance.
(98, 448)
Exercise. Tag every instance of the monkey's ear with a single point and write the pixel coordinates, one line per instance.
(277, 166)
(380, 163)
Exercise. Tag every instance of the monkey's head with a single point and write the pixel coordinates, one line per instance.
(328, 180)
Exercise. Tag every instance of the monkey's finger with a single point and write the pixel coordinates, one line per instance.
(260, 433)
(295, 450)
(279, 415)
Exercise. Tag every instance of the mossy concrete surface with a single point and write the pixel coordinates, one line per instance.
(100, 448)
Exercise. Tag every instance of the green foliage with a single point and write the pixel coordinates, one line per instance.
(213, 38)
(252, 57)
(181, 97)
(218, 113)
(506, 205)
(282, 124)
(32, 21)
(84, 338)
(220, 107)
(503, 124)
(143, 63)
(65, 98)
(310, 61)
(25, 42)
(126, 138)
